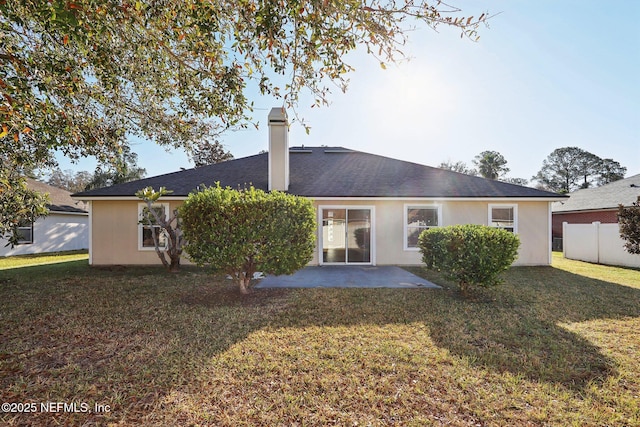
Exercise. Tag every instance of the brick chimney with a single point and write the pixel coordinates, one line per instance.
(278, 150)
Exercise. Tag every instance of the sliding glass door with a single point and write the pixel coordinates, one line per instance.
(346, 236)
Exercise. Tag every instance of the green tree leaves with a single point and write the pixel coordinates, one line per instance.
(469, 254)
(81, 77)
(20, 206)
(569, 168)
(629, 221)
(85, 75)
(491, 164)
(242, 232)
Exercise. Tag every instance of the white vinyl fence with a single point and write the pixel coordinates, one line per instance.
(598, 243)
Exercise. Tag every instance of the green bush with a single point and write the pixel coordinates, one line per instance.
(629, 222)
(469, 254)
(242, 232)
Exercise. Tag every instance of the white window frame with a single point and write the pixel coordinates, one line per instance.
(141, 207)
(25, 241)
(513, 206)
(405, 220)
(320, 243)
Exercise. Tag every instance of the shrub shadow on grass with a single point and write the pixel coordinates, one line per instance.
(128, 337)
(519, 328)
(515, 327)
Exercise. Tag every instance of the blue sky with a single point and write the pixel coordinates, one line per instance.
(544, 75)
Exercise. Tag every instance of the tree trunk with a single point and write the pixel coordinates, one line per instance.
(244, 285)
(156, 242)
(174, 267)
(464, 289)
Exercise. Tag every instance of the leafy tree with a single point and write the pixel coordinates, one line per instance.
(469, 254)
(208, 153)
(80, 77)
(20, 205)
(491, 164)
(460, 167)
(589, 166)
(125, 169)
(517, 181)
(569, 168)
(629, 222)
(560, 171)
(70, 180)
(169, 227)
(610, 171)
(242, 232)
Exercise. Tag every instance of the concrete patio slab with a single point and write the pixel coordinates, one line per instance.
(330, 276)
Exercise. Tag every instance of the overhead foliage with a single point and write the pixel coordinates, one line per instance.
(629, 222)
(243, 232)
(80, 77)
(570, 168)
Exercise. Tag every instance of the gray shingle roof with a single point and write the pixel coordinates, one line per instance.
(332, 172)
(609, 196)
(60, 200)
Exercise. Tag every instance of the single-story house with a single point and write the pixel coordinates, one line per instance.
(370, 208)
(66, 228)
(595, 204)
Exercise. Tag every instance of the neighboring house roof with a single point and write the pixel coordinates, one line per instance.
(609, 196)
(59, 200)
(331, 172)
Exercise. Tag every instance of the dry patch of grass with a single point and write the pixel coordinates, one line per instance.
(549, 347)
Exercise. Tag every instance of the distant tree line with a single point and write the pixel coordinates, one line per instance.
(126, 169)
(488, 164)
(571, 168)
(564, 170)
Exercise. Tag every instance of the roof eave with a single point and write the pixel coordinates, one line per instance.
(93, 198)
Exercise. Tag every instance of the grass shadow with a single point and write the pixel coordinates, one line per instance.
(516, 327)
(129, 337)
(122, 336)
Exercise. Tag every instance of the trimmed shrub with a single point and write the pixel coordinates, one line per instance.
(629, 221)
(243, 232)
(469, 254)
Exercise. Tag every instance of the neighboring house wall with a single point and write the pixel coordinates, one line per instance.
(587, 217)
(115, 229)
(598, 243)
(54, 233)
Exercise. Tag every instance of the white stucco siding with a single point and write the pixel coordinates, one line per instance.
(54, 233)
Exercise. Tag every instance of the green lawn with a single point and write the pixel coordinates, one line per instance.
(50, 258)
(552, 346)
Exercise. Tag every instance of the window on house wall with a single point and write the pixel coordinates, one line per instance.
(145, 232)
(25, 231)
(418, 218)
(504, 216)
